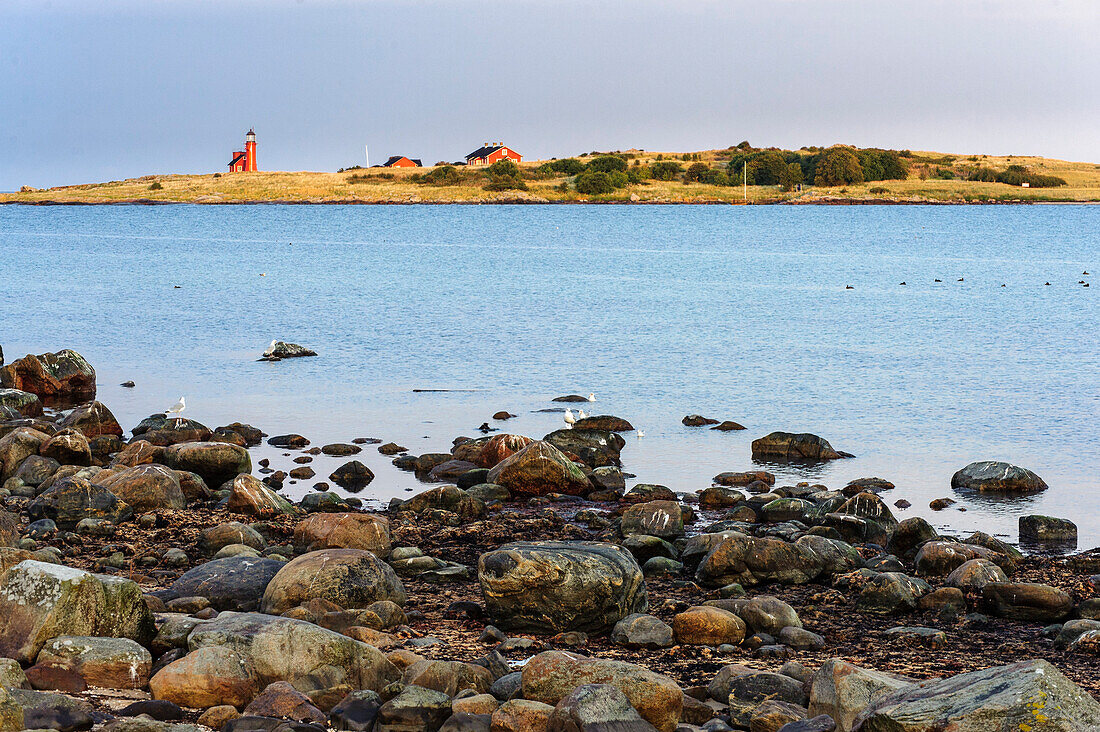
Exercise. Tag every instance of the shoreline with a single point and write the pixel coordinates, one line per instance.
(530, 202)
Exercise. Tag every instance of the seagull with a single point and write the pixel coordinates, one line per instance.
(270, 349)
(569, 418)
(641, 434)
(591, 397)
(176, 409)
(582, 414)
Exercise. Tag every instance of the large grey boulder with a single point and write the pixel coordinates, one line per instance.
(538, 469)
(232, 583)
(751, 560)
(146, 487)
(40, 601)
(596, 708)
(69, 500)
(350, 578)
(61, 375)
(663, 519)
(237, 655)
(842, 690)
(1030, 695)
(556, 586)
(215, 462)
(997, 477)
(786, 446)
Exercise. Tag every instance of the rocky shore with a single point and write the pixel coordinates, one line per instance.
(156, 579)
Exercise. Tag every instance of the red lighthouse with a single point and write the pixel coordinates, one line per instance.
(246, 160)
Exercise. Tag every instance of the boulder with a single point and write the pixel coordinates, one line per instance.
(22, 403)
(445, 498)
(749, 690)
(767, 614)
(415, 709)
(837, 556)
(280, 700)
(249, 496)
(551, 676)
(772, 715)
(708, 626)
(232, 583)
(110, 663)
(937, 558)
(551, 587)
(344, 531)
(236, 655)
(16, 446)
(146, 487)
(1026, 601)
(67, 447)
(449, 677)
(642, 631)
(603, 423)
(61, 375)
(352, 476)
(974, 574)
(231, 532)
(750, 560)
(909, 536)
(1041, 529)
(92, 420)
(697, 420)
(596, 448)
(36, 470)
(842, 690)
(40, 601)
(718, 497)
(216, 462)
(997, 477)
(663, 519)
(596, 708)
(891, 592)
(279, 350)
(498, 448)
(72, 499)
(787, 446)
(1030, 695)
(740, 480)
(138, 452)
(162, 430)
(538, 469)
(350, 578)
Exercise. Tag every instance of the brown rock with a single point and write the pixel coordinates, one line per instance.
(538, 469)
(92, 420)
(344, 531)
(521, 715)
(708, 626)
(283, 701)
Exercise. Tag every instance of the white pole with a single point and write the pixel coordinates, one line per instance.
(366, 153)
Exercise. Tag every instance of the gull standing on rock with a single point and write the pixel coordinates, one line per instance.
(581, 414)
(270, 349)
(176, 410)
(569, 418)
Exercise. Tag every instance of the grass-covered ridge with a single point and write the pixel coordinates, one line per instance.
(732, 175)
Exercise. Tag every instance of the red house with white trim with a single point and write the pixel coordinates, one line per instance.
(492, 152)
(400, 161)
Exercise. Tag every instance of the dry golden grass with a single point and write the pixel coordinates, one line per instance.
(393, 186)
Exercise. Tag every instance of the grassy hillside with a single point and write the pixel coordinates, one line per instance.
(929, 180)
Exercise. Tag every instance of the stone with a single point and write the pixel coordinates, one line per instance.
(551, 587)
(642, 631)
(595, 448)
(596, 708)
(603, 423)
(716, 497)
(476, 704)
(231, 583)
(750, 560)
(820, 723)
(938, 558)
(215, 462)
(350, 578)
(551, 676)
(950, 600)
(909, 536)
(1030, 695)
(11, 674)
(92, 420)
(785, 446)
(708, 626)
(1047, 529)
(40, 601)
(917, 637)
(279, 350)
(36, 470)
(663, 519)
(48, 710)
(283, 701)
(236, 655)
(356, 711)
(16, 446)
(344, 531)
(138, 452)
(415, 709)
(729, 425)
(449, 677)
(111, 663)
(842, 690)
(217, 717)
(749, 690)
(249, 496)
(801, 639)
(538, 469)
(146, 487)
(22, 403)
(974, 574)
(498, 448)
(158, 709)
(1026, 601)
(697, 420)
(997, 477)
(64, 374)
(67, 447)
(741, 480)
(352, 475)
(891, 592)
(772, 715)
(837, 556)
(68, 501)
(232, 532)
(521, 715)
(445, 498)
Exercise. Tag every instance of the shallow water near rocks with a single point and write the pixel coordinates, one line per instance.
(732, 312)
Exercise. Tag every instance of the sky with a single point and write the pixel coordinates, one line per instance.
(105, 90)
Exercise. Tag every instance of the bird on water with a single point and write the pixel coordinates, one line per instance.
(591, 397)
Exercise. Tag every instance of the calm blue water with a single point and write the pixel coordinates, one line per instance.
(734, 312)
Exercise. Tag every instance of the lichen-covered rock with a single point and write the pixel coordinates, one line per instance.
(538, 469)
(842, 690)
(40, 601)
(1040, 529)
(750, 560)
(67, 447)
(23, 403)
(603, 423)
(61, 375)
(596, 708)
(92, 420)
(236, 655)
(248, 495)
(445, 498)
(350, 578)
(551, 587)
(162, 430)
(891, 592)
(146, 487)
(1030, 695)
(642, 631)
(786, 446)
(937, 558)
(498, 448)
(216, 462)
(596, 448)
(11, 713)
(551, 676)
(344, 531)
(69, 500)
(708, 626)
(449, 677)
(997, 477)
(974, 574)
(110, 663)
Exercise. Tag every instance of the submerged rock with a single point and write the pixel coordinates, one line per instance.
(787, 446)
(279, 350)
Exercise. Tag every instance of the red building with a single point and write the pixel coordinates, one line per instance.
(400, 161)
(242, 162)
(492, 152)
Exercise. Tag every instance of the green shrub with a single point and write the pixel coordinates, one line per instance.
(837, 166)
(155, 186)
(790, 177)
(618, 178)
(567, 166)
(944, 174)
(639, 173)
(666, 170)
(696, 172)
(716, 177)
(504, 169)
(606, 164)
(1017, 175)
(878, 190)
(445, 175)
(594, 183)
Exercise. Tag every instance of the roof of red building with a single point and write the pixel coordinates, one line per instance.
(486, 151)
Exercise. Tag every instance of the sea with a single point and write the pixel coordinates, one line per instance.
(917, 338)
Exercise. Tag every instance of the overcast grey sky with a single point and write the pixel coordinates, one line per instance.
(117, 88)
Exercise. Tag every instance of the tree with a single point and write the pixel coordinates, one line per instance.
(838, 166)
(790, 177)
(594, 183)
(665, 170)
(607, 164)
(696, 172)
